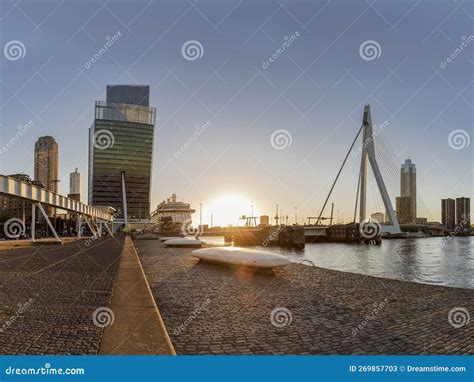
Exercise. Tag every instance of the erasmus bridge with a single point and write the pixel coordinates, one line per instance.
(368, 157)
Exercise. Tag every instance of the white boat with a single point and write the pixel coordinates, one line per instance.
(183, 242)
(241, 257)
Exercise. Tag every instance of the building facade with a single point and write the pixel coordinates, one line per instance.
(404, 210)
(75, 185)
(448, 213)
(408, 185)
(463, 212)
(46, 163)
(129, 94)
(378, 216)
(121, 142)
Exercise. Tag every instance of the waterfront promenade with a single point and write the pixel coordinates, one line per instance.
(48, 294)
(209, 309)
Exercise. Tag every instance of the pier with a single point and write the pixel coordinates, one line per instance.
(302, 309)
(284, 236)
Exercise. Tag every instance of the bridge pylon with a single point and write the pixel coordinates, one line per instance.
(368, 156)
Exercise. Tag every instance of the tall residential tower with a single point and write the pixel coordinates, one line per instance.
(463, 212)
(75, 185)
(46, 163)
(408, 187)
(448, 214)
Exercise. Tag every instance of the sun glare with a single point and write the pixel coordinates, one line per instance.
(228, 209)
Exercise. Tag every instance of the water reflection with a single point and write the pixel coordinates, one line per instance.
(430, 260)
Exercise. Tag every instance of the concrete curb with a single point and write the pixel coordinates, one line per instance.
(137, 326)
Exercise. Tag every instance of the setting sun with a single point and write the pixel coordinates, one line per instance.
(228, 209)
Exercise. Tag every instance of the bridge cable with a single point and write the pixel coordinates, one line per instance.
(339, 173)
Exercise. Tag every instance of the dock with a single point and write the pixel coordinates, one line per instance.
(209, 309)
(266, 236)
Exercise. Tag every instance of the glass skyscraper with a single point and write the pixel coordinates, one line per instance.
(121, 141)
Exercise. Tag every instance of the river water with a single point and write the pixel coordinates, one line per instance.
(436, 260)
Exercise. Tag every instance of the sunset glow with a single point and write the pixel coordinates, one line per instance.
(228, 209)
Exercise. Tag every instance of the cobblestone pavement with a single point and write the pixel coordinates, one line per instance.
(48, 295)
(208, 309)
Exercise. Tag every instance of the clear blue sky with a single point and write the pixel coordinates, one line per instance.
(315, 90)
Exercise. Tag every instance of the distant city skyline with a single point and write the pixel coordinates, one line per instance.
(261, 68)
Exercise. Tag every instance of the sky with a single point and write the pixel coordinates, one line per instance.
(276, 89)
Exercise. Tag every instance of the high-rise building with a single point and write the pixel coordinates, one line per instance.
(448, 213)
(129, 94)
(75, 185)
(46, 163)
(404, 209)
(121, 141)
(377, 216)
(463, 212)
(408, 185)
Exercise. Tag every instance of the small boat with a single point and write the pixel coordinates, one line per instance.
(239, 256)
(184, 242)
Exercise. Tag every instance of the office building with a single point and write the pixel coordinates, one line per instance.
(463, 212)
(75, 185)
(46, 163)
(422, 221)
(121, 142)
(408, 185)
(448, 213)
(378, 217)
(129, 94)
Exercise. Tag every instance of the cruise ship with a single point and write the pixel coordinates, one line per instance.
(170, 215)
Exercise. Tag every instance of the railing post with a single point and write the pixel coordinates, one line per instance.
(33, 221)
